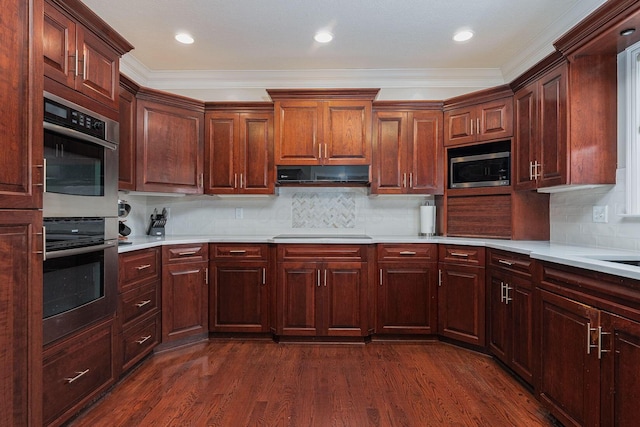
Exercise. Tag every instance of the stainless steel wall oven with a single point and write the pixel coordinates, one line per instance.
(80, 207)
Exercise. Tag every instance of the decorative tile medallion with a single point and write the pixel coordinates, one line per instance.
(323, 210)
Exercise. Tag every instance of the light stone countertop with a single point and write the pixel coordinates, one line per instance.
(576, 256)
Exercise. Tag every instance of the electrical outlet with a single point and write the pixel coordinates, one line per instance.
(239, 213)
(600, 214)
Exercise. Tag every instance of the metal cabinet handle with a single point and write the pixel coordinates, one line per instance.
(206, 276)
(380, 277)
(478, 126)
(235, 180)
(241, 181)
(407, 253)
(507, 298)
(237, 251)
(187, 253)
(459, 254)
(472, 126)
(264, 276)
(505, 262)
(143, 303)
(142, 267)
(143, 339)
(404, 180)
(600, 334)
(411, 180)
(440, 277)
(319, 151)
(325, 277)
(501, 292)
(79, 374)
(318, 278)
(44, 243)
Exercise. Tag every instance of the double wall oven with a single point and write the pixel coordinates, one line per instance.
(80, 217)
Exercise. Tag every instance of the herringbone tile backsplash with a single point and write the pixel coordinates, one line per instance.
(323, 210)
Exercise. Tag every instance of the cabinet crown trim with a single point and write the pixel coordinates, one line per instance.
(170, 99)
(364, 94)
(478, 97)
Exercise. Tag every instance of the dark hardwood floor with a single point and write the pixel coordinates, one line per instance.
(260, 383)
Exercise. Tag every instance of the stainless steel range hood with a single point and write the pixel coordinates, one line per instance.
(323, 175)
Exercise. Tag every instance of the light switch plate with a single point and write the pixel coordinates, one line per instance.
(239, 213)
(600, 214)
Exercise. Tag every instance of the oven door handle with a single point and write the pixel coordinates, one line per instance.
(79, 135)
(84, 250)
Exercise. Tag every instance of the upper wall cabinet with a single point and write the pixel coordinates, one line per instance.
(81, 53)
(323, 127)
(481, 116)
(239, 149)
(407, 148)
(169, 143)
(127, 146)
(566, 123)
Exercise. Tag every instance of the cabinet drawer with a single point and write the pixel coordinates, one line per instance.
(510, 261)
(138, 266)
(470, 255)
(422, 252)
(76, 369)
(139, 301)
(181, 253)
(323, 252)
(238, 251)
(140, 339)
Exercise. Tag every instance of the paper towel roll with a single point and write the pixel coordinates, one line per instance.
(427, 220)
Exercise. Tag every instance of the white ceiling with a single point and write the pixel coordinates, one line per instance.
(243, 45)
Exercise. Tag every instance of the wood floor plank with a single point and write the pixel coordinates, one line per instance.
(259, 383)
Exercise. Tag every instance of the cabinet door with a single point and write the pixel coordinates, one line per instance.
(184, 300)
(620, 375)
(169, 148)
(238, 298)
(127, 144)
(389, 152)
(59, 43)
(347, 133)
(407, 300)
(255, 154)
(553, 128)
(459, 126)
(344, 303)
(98, 67)
(21, 313)
(298, 289)
(461, 303)
(495, 120)
(525, 144)
(425, 155)
(298, 132)
(519, 299)
(21, 171)
(569, 371)
(498, 317)
(221, 145)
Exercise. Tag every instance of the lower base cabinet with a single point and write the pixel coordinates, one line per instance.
(461, 294)
(76, 370)
(588, 356)
(322, 291)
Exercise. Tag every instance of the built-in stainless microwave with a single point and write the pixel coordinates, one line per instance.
(480, 170)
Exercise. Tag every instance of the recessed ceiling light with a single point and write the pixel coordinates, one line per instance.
(323, 37)
(184, 38)
(463, 36)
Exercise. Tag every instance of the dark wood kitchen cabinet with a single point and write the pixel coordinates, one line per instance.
(239, 149)
(565, 123)
(240, 287)
(81, 53)
(76, 370)
(588, 333)
(408, 155)
(185, 293)
(322, 127)
(477, 117)
(461, 294)
(138, 305)
(169, 142)
(128, 128)
(407, 300)
(510, 311)
(322, 290)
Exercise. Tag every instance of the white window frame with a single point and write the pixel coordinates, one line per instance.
(632, 188)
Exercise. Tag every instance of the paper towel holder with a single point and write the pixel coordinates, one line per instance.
(427, 220)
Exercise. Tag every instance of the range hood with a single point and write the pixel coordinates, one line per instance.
(323, 175)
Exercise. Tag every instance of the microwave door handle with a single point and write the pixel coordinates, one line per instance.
(79, 135)
(79, 251)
